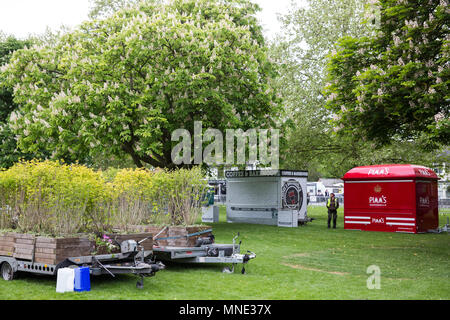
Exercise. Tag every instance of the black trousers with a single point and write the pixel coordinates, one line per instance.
(332, 214)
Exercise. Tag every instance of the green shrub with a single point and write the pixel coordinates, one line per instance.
(143, 196)
(186, 189)
(53, 198)
(131, 197)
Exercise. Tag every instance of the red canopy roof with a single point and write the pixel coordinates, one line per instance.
(390, 171)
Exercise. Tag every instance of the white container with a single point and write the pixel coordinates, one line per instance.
(210, 214)
(65, 280)
(288, 218)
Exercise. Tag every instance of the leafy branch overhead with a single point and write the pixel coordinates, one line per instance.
(395, 85)
(9, 153)
(122, 84)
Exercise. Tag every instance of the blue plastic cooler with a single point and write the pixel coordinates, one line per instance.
(82, 279)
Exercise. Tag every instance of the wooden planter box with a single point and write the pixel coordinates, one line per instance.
(7, 241)
(44, 249)
(177, 234)
(54, 250)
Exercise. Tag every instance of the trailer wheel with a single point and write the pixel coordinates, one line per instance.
(7, 271)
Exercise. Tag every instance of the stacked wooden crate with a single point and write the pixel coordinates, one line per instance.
(55, 250)
(7, 241)
(176, 236)
(44, 249)
(24, 246)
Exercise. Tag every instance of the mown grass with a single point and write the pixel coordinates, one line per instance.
(308, 262)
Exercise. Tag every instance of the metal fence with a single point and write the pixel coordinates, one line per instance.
(444, 203)
(322, 200)
(220, 198)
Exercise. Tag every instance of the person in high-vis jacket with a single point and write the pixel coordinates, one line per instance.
(332, 205)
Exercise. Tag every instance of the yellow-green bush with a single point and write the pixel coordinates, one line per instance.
(142, 196)
(185, 191)
(53, 198)
(131, 197)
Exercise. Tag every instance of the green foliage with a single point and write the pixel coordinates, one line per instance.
(309, 39)
(9, 44)
(7, 47)
(394, 85)
(187, 188)
(122, 84)
(53, 198)
(142, 196)
(9, 153)
(132, 197)
(309, 34)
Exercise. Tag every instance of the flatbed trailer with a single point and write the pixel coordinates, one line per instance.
(136, 262)
(206, 253)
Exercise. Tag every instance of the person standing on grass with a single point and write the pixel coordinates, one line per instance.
(332, 205)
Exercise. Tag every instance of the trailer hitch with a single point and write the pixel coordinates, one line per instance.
(154, 267)
(236, 252)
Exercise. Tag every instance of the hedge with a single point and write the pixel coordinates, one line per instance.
(54, 198)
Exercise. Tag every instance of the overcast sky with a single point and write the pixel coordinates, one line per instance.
(24, 17)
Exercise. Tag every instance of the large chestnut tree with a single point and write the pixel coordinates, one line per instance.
(124, 83)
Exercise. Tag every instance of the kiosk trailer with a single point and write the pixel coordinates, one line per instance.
(392, 198)
(273, 197)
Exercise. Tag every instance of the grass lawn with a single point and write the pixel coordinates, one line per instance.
(308, 262)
